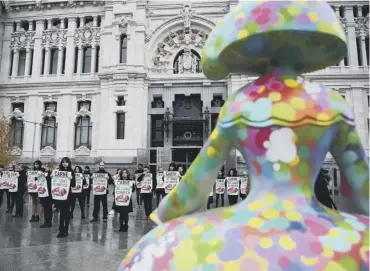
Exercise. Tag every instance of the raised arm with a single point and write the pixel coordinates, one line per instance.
(192, 192)
(354, 167)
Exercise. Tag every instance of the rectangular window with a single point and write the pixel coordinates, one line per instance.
(120, 125)
(123, 46)
(50, 106)
(43, 61)
(17, 133)
(85, 104)
(31, 59)
(11, 62)
(83, 132)
(157, 133)
(20, 106)
(97, 59)
(54, 61)
(64, 60)
(76, 60)
(87, 60)
(22, 63)
(49, 133)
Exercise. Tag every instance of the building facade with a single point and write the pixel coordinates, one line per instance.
(121, 81)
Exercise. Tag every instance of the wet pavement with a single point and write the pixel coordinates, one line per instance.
(89, 246)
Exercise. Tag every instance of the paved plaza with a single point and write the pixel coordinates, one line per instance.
(89, 246)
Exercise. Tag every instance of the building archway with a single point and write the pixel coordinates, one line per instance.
(187, 61)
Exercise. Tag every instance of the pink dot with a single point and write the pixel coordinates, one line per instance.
(316, 248)
(253, 93)
(284, 261)
(316, 228)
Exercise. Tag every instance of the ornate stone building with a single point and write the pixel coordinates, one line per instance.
(121, 81)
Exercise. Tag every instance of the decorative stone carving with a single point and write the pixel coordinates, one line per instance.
(16, 151)
(17, 114)
(187, 13)
(49, 113)
(17, 6)
(83, 112)
(54, 37)
(82, 151)
(48, 151)
(87, 35)
(122, 24)
(366, 25)
(22, 39)
(39, 5)
(194, 38)
(187, 62)
(344, 24)
(359, 22)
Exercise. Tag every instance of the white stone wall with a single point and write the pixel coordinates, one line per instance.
(147, 25)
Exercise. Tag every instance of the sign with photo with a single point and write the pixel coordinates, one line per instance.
(100, 183)
(32, 176)
(138, 184)
(79, 182)
(160, 181)
(123, 192)
(232, 186)
(170, 180)
(42, 184)
(4, 180)
(12, 178)
(147, 183)
(244, 185)
(220, 186)
(60, 184)
(87, 179)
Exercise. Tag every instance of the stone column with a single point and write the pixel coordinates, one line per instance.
(28, 62)
(37, 50)
(82, 22)
(95, 21)
(50, 24)
(30, 26)
(18, 26)
(70, 52)
(47, 61)
(337, 12)
(360, 109)
(15, 62)
(93, 58)
(60, 60)
(352, 46)
(363, 49)
(79, 59)
(62, 25)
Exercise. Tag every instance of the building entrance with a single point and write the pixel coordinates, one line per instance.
(184, 156)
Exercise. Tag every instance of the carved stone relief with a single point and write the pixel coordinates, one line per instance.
(16, 151)
(17, 114)
(87, 35)
(362, 26)
(83, 112)
(122, 24)
(54, 37)
(22, 39)
(82, 151)
(49, 113)
(344, 24)
(48, 151)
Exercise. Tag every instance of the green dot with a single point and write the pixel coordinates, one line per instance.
(304, 152)
(303, 169)
(226, 215)
(345, 225)
(349, 263)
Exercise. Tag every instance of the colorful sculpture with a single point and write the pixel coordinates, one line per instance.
(283, 125)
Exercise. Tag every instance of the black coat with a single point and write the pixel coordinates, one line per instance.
(322, 192)
(22, 182)
(110, 179)
(73, 183)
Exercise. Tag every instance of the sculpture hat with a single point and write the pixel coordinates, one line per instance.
(258, 35)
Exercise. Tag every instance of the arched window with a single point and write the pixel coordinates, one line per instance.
(49, 133)
(83, 132)
(17, 133)
(187, 61)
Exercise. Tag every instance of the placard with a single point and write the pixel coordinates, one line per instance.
(147, 183)
(42, 184)
(138, 184)
(232, 186)
(32, 176)
(12, 178)
(220, 186)
(87, 178)
(4, 181)
(100, 182)
(60, 184)
(170, 180)
(160, 181)
(244, 185)
(79, 182)
(123, 192)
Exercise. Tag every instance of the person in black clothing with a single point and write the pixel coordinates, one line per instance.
(138, 178)
(6, 191)
(125, 210)
(79, 196)
(101, 198)
(160, 192)
(22, 180)
(112, 212)
(87, 191)
(64, 206)
(233, 199)
(47, 202)
(322, 192)
(222, 196)
(34, 197)
(148, 197)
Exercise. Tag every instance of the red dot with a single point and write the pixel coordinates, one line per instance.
(284, 261)
(316, 228)
(316, 248)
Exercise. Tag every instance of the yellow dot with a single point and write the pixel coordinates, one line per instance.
(255, 206)
(197, 229)
(232, 266)
(212, 259)
(266, 242)
(334, 233)
(351, 238)
(334, 266)
(283, 111)
(309, 261)
(287, 243)
(288, 205)
(214, 242)
(298, 103)
(214, 134)
(191, 221)
(261, 89)
(313, 17)
(323, 117)
(255, 222)
(160, 233)
(270, 198)
(243, 34)
(211, 152)
(294, 10)
(327, 252)
(275, 96)
(291, 83)
(294, 162)
(270, 213)
(293, 216)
